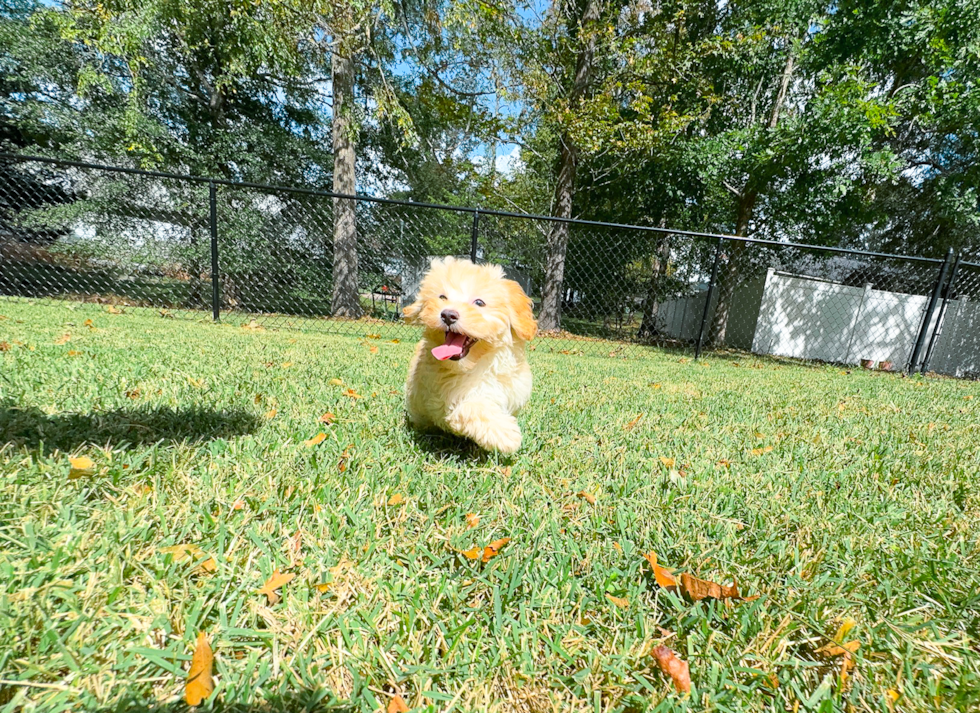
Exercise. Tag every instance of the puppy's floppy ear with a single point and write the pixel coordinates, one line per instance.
(521, 317)
(411, 312)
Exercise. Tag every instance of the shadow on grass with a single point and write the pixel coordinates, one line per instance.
(446, 446)
(30, 427)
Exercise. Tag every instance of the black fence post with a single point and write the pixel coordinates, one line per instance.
(215, 287)
(707, 299)
(930, 310)
(475, 236)
(947, 296)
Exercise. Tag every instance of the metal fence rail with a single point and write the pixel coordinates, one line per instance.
(202, 248)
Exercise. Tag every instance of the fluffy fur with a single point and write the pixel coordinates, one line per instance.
(477, 393)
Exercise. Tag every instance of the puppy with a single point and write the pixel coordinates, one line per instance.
(469, 375)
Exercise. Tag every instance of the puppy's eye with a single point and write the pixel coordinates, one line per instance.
(479, 303)
(442, 297)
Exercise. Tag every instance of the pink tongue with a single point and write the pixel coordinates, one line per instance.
(452, 347)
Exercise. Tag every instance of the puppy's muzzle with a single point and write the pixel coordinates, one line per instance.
(449, 317)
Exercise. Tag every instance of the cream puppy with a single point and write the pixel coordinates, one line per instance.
(469, 375)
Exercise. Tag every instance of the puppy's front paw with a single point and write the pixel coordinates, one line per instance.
(490, 427)
(504, 437)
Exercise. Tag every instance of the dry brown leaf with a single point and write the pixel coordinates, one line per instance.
(395, 499)
(373, 349)
(336, 382)
(725, 463)
(472, 520)
(327, 418)
(662, 576)
(632, 424)
(4, 346)
(324, 587)
(63, 339)
(474, 553)
(398, 705)
(89, 323)
(350, 393)
(588, 497)
(619, 601)
(618, 547)
(761, 451)
(396, 341)
(668, 462)
(833, 649)
(258, 399)
(253, 325)
(316, 440)
(273, 583)
(271, 413)
(133, 393)
(493, 549)
(676, 668)
(891, 698)
(200, 685)
(238, 505)
(193, 553)
(698, 589)
(112, 309)
(286, 364)
(80, 467)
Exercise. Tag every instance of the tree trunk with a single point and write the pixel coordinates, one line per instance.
(747, 198)
(729, 275)
(651, 306)
(346, 300)
(549, 319)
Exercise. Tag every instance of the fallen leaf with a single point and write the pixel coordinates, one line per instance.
(891, 698)
(760, 451)
(112, 309)
(271, 413)
(200, 685)
(90, 324)
(133, 393)
(493, 549)
(253, 325)
(352, 394)
(656, 386)
(71, 352)
(63, 339)
(587, 497)
(698, 589)
(196, 383)
(324, 587)
(474, 553)
(662, 576)
(258, 399)
(472, 520)
(336, 382)
(316, 440)
(632, 424)
(4, 347)
(834, 649)
(619, 601)
(373, 349)
(395, 499)
(193, 553)
(327, 418)
(668, 462)
(396, 341)
(286, 364)
(273, 583)
(398, 705)
(238, 505)
(618, 547)
(671, 665)
(81, 467)
(725, 463)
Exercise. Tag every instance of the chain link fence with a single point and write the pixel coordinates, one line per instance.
(189, 247)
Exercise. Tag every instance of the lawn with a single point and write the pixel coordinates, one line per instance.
(834, 495)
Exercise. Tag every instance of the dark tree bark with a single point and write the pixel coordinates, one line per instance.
(549, 319)
(346, 300)
(745, 207)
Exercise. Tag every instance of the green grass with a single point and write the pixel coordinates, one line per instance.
(866, 507)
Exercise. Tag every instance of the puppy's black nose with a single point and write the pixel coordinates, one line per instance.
(449, 316)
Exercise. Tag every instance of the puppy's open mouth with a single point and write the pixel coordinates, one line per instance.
(456, 347)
